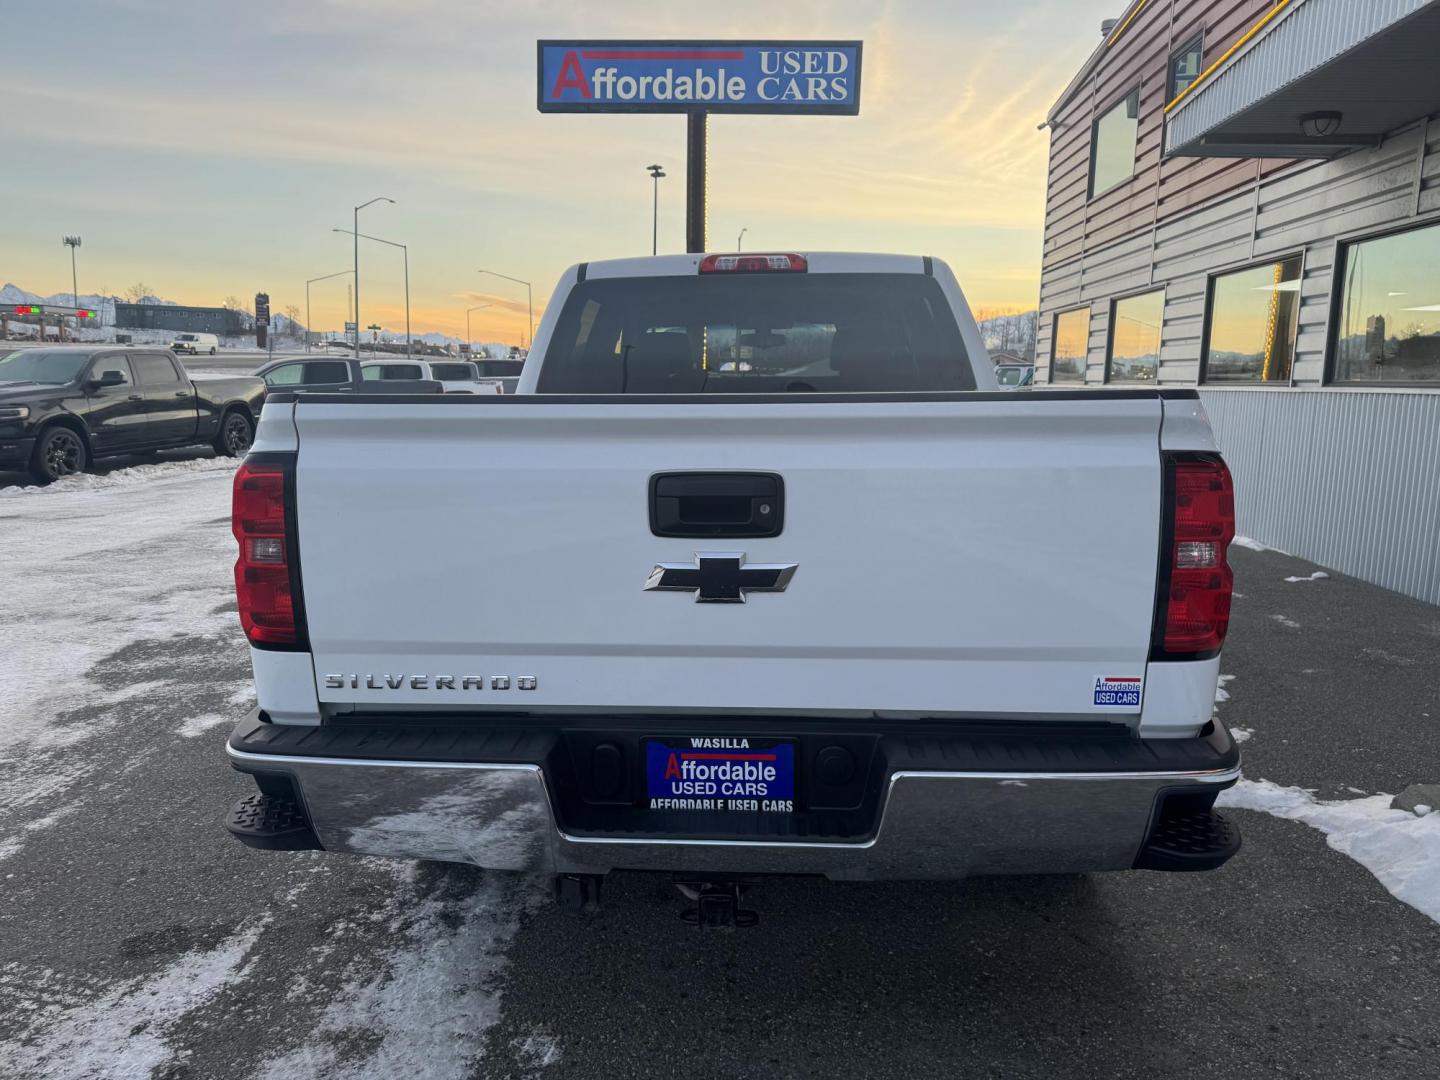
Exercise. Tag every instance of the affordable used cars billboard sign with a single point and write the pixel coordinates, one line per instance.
(820, 77)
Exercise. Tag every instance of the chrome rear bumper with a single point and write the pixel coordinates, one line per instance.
(932, 824)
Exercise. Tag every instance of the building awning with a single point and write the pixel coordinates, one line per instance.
(1314, 79)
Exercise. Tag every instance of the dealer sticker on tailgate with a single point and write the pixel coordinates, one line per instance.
(1118, 691)
(720, 773)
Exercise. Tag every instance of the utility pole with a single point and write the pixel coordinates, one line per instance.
(73, 242)
(529, 296)
(470, 341)
(656, 174)
(406, 251)
(356, 231)
(324, 277)
(739, 240)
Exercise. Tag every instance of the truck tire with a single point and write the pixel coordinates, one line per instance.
(212, 350)
(59, 452)
(237, 432)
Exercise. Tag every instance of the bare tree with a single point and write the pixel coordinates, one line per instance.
(292, 312)
(137, 292)
(232, 303)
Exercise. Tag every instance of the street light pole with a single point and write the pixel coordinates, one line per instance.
(468, 339)
(378, 198)
(741, 238)
(656, 174)
(324, 277)
(529, 297)
(358, 237)
(73, 242)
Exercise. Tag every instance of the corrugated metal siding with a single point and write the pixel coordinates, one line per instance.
(1160, 187)
(1349, 480)
(1302, 210)
(1310, 34)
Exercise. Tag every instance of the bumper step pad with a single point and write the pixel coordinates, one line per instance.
(1201, 840)
(271, 823)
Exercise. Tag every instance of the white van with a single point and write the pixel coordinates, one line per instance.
(195, 343)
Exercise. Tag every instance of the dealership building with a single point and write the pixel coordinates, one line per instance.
(1299, 290)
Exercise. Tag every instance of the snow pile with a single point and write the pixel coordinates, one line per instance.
(1241, 734)
(195, 726)
(1401, 849)
(428, 1007)
(1253, 545)
(1221, 694)
(94, 564)
(122, 1033)
(123, 478)
(1319, 575)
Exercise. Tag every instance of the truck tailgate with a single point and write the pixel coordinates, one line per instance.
(989, 556)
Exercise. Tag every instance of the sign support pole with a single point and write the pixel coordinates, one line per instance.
(695, 180)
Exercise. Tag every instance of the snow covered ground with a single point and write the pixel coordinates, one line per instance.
(93, 564)
(137, 563)
(1400, 848)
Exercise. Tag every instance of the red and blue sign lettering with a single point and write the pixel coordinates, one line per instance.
(719, 778)
(725, 76)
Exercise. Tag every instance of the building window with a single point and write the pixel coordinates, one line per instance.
(1185, 67)
(1389, 320)
(1112, 154)
(1134, 354)
(1070, 345)
(1250, 328)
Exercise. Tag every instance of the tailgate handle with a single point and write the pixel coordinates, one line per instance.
(717, 504)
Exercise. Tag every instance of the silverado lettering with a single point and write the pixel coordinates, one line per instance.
(422, 682)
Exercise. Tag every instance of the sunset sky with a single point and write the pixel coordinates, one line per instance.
(208, 148)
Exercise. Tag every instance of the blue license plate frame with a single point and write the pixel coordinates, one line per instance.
(720, 773)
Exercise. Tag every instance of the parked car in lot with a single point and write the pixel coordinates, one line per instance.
(327, 373)
(62, 408)
(335, 376)
(507, 371)
(742, 620)
(194, 344)
(1014, 376)
(455, 376)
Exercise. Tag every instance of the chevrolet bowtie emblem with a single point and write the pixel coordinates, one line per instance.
(720, 577)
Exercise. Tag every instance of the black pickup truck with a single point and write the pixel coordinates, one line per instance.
(62, 408)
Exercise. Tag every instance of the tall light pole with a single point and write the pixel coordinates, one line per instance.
(468, 339)
(324, 277)
(741, 238)
(73, 242)
(656, 174)
(378, 198)
(529, 297)
(406, 251)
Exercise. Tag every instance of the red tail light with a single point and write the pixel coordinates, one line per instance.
(1193, 609)
(753, 264)
(267, 573)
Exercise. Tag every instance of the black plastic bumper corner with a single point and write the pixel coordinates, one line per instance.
(271, 823)
(1188, 840)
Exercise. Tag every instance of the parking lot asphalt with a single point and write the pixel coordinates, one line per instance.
(137, 939)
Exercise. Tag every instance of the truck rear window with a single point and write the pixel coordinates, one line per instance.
(756, 334)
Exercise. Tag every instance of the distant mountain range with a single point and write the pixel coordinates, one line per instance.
(14, 294)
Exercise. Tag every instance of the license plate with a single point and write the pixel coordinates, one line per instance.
(751, 776)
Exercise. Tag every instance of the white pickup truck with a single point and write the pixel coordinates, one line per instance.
(454, 376)
(757, 573)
